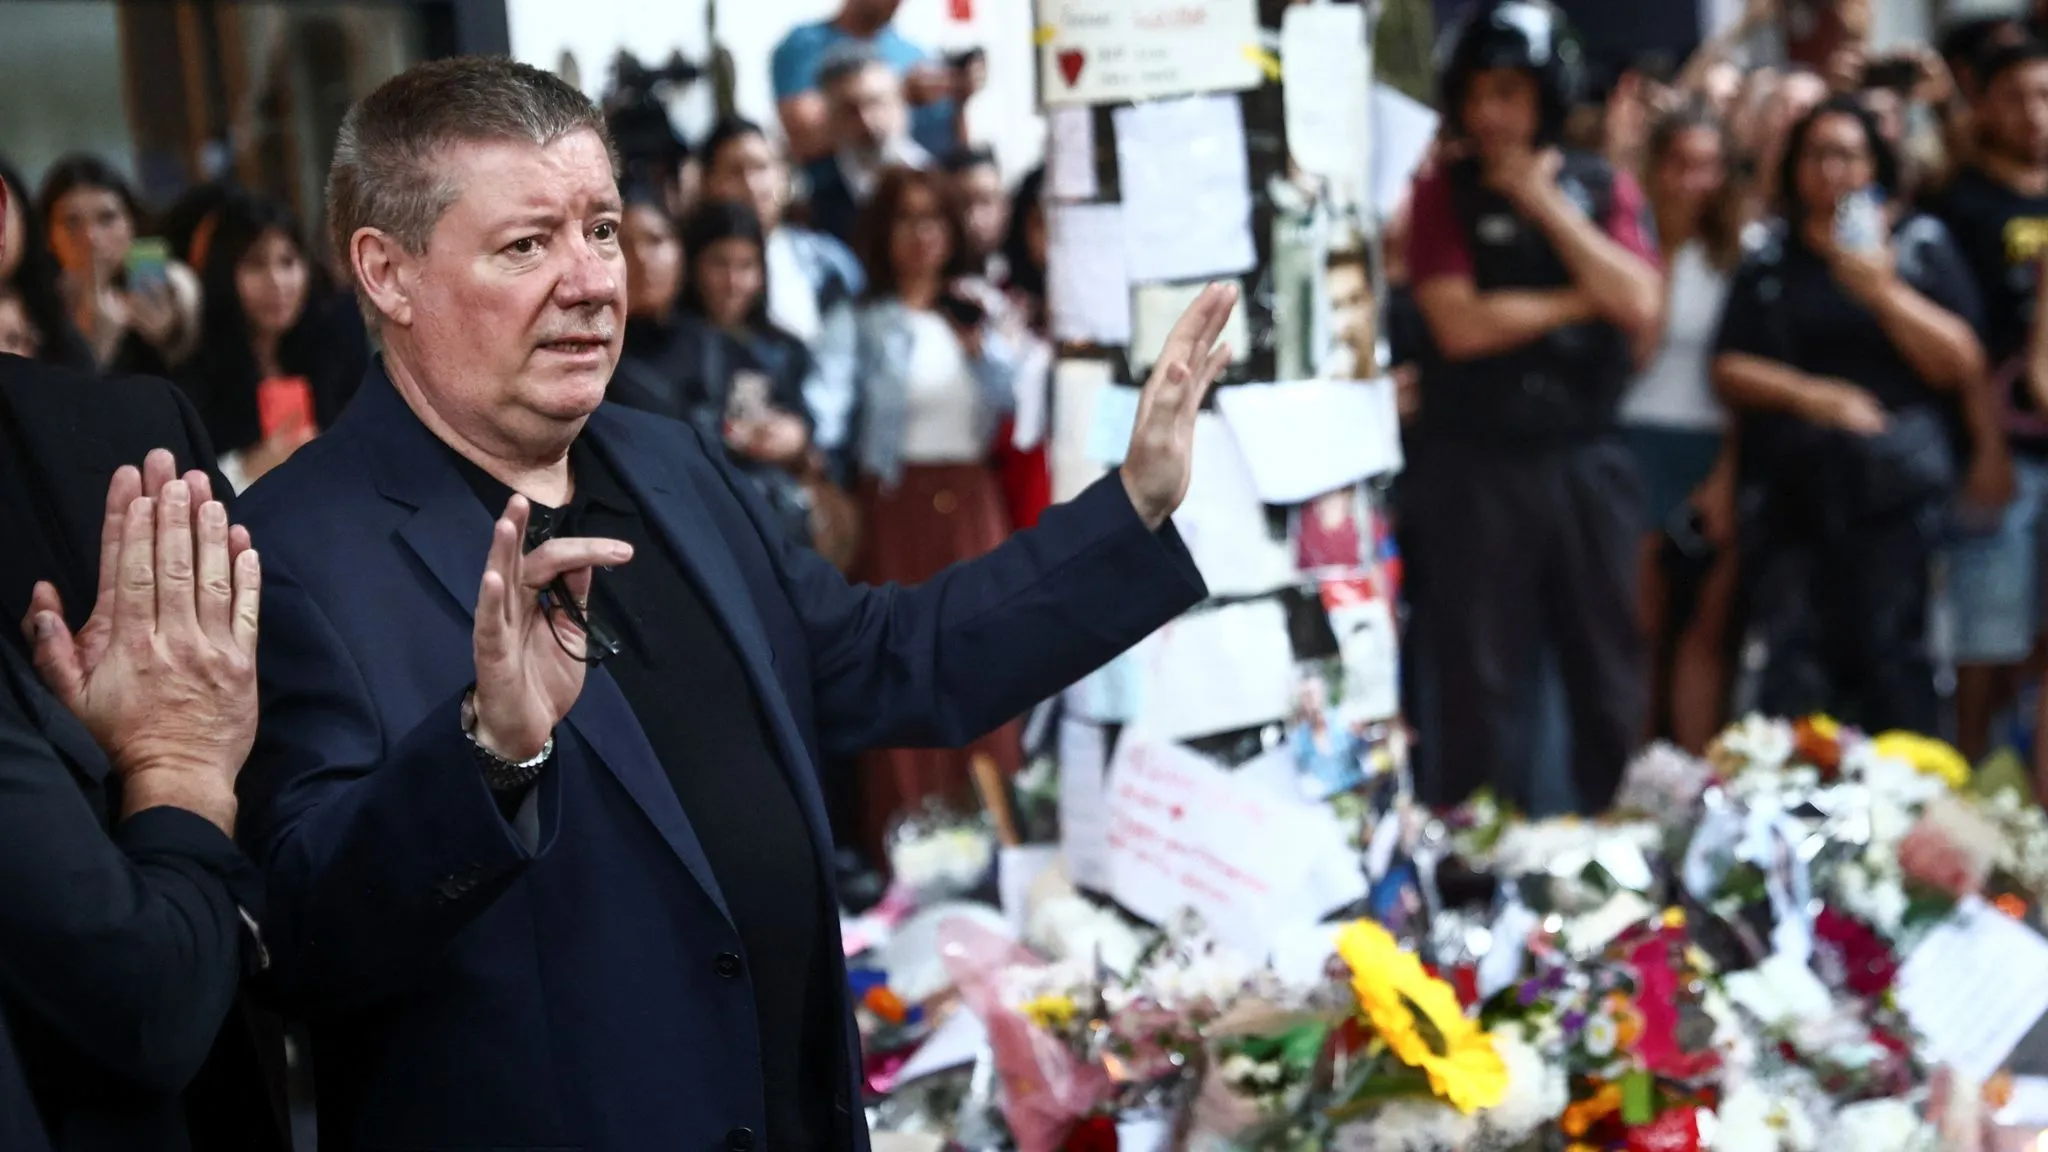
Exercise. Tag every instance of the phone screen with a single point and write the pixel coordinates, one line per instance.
(148, 259)
(284, 402)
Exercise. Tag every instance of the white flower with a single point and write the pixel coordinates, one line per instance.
(1537, 1092)
(1752, 1118)
(1601, 1035)
(1881, 1126)
(1760, 741)
(1780, 992)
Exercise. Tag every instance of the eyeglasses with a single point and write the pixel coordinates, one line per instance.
(598, 643)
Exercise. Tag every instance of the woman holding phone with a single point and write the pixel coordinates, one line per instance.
(281, 351)
(137, 308)
(936, 377)
(1849, 355)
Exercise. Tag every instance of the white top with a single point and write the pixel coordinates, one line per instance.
(942, 397)
(1676, 390)
(792, 302)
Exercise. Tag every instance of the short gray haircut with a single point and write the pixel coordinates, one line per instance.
(846, 59)
(387, 171)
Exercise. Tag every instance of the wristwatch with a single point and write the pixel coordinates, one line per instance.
(500, 774)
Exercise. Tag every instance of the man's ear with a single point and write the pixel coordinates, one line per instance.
(383, 269)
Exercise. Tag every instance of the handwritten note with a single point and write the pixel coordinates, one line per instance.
(1075, 386)
(1186, 188)
(1974, 987)
(1185, 832)
(1089, 292)
(1070, 154)
(1323, 49)
(1155, 307)
(1112, 51)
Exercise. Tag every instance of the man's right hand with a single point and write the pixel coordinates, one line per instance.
(529, 660)
(164, 673)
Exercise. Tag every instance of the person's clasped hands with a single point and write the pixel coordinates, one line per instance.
(163, 674)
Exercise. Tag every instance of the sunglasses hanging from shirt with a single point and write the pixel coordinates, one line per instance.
(599, 643)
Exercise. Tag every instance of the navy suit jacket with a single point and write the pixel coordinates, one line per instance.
(834, 209)
(466, 992)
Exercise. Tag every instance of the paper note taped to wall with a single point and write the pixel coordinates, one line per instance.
(1115, 51)
(1156, 307)
(1323, 49)
(1089, 287)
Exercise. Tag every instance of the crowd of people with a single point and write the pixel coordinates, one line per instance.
(846, 302)
(1833, 422)
(1714, 381)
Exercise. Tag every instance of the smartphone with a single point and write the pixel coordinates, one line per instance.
(962, 311)
(147, 265)
(284, 403)
(748, 400)
(1899, 73)
(1860, 221)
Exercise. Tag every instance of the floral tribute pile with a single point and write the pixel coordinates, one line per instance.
(1711, 966)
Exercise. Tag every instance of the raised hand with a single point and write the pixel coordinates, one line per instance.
(164, 676)
(1161, 459)
(529, 659)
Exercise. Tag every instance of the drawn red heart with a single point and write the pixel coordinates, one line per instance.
(1071, 62)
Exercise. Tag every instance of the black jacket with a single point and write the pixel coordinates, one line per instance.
(122, 942)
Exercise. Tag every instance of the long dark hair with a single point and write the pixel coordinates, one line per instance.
(1720, 226)
(1884, 159)
(83, 170)
(1029, 200)
(224, 375)
(37, 282)
(711, 223)
(875, 231)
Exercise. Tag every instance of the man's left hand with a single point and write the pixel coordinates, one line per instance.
(1527, 177)
(1157, 468)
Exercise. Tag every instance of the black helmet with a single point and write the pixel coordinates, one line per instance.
(1531, 35)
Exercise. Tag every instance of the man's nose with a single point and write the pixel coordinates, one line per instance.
(591, 277)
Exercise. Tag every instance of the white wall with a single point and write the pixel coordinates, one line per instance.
(60, 85)
(1004, 116)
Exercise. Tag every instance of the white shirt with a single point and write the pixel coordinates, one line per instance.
(792, 301)
(942, 397)
(1676, 390)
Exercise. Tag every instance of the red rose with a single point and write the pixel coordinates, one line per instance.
(1675, 1131)
(1095, 1134)
(1862, 961)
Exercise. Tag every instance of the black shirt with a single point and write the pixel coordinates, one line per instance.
(2002, 234)
(686, 684)
(1786, 305)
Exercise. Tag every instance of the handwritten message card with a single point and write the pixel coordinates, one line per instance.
(1112, 51)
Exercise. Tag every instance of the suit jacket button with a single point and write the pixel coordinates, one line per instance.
(728, 966)
(740, 1139)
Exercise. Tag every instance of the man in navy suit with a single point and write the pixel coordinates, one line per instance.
(545, 688)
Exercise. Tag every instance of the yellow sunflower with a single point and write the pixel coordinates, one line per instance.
(1927, 754)
(1419, 1018)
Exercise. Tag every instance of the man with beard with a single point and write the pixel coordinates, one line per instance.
(1997, 209)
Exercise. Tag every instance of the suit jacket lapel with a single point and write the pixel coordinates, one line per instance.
(450, 533)
(675, 508)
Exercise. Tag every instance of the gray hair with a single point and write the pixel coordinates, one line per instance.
(387, 173)
(844, 60)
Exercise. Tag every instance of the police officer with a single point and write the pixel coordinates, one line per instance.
(1535, 273)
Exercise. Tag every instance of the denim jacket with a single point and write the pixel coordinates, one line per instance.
(876, 339)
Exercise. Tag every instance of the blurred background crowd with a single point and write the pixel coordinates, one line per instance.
(836, 244)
